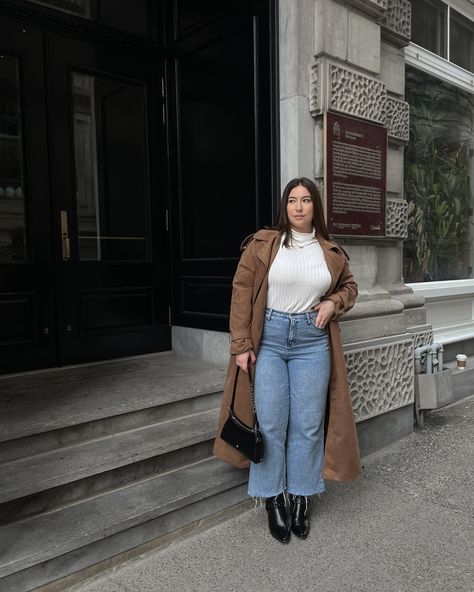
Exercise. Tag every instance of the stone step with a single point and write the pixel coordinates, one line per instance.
(65, 535)
(76, 491)
(27, 476)
(86, 405)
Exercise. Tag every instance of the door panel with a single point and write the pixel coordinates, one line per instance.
(26, 275)
(111, 169)
(224, 150)
(113, 289)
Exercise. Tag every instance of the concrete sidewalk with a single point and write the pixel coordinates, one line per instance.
(406, 525)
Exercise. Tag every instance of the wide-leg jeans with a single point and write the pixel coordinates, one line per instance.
(291, 384)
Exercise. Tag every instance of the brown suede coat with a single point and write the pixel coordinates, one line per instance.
(247, 315)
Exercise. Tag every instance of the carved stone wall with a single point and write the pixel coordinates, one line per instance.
(422, 338)
(397, 119)
(381, 378)
(339, 88)
(396, 24)
(396, 218)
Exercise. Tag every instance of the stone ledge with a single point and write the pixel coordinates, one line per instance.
(375, 8)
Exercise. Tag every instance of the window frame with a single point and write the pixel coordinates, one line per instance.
(465, 10)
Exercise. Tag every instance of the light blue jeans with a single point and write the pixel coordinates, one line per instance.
(291, 384)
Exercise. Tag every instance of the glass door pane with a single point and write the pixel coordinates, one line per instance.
(12, 198)
(79, 7)
(111, 169)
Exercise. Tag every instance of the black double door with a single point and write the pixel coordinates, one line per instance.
(83, 219)
(224, 139)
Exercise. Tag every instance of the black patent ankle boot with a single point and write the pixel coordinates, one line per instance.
(277, 518)
(299, 515)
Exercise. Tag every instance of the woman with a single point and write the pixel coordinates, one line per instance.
(291, 285)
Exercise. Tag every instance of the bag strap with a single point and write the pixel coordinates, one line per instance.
(251, 392)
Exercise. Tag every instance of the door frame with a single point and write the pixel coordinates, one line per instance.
(51, 22)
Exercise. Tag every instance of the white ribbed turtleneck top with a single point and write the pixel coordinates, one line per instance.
(299, 275)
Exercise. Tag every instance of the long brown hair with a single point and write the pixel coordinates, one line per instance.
(282, 222)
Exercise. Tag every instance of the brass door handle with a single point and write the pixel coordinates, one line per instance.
(66, 245)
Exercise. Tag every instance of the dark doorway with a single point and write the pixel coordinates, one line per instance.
(110, 195)
(83, 245)
(138, 146)
(222, 82)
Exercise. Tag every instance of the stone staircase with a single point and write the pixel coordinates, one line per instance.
(101, 459)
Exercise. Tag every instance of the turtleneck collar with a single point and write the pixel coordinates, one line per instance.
(301, 239)
(303, 236)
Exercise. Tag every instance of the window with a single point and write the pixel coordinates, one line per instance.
(461, 46)
(428, 25)
(439, 166)
(12, 198)
(127, 15)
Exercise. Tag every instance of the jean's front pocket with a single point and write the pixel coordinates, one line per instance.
(320, 330)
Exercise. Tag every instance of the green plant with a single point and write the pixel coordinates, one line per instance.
(437, 182)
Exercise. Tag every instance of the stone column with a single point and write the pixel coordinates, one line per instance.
(353, 63)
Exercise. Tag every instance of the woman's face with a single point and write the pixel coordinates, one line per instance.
(300, 209)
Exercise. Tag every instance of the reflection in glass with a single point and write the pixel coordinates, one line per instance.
(428, 25)
(462, 41)
(79, 7)
(12, 201)
(439, 167)
(111, 169)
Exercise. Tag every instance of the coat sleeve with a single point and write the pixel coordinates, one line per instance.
(345, 294)
(241, 303)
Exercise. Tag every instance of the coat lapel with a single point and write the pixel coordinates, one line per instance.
(335, 262)
(266, 254)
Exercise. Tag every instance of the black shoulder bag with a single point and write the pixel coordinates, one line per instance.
(247, 440)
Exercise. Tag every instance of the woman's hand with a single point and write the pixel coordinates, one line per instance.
(325, 310)
(242, 360)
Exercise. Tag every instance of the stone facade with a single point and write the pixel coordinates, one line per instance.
(356, 67)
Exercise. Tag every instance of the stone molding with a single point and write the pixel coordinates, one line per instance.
(381, 378)
(396, 24)
(375, 8)
(336, 87)
(396, 218)
(397, 119)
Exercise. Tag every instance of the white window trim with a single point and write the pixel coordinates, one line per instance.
(450, 298)
(439, 67)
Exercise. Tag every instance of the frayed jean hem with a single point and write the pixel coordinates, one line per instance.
(260, 499)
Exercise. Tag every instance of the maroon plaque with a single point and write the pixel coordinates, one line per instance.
(355, 164)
